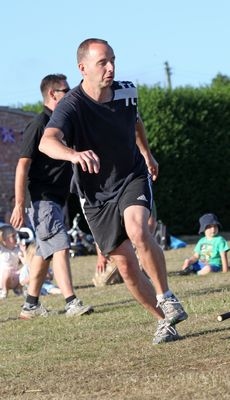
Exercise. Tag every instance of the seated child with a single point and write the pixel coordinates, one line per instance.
(210, 253)
(48, 287)
(9, 261)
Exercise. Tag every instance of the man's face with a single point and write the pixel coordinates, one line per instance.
(98, 66)
(61, 89)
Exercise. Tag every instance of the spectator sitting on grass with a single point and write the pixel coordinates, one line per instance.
(9, 261)
(210, 253)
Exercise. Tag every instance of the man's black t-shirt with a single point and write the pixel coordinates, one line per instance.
(109, 130)
(48, 179)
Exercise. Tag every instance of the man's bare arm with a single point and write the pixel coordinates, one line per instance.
(52, 145)
(18, 214)
(142, 143)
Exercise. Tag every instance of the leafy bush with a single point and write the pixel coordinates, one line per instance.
(37, 107)
(189, 130)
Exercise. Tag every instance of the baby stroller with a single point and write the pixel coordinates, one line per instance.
(81, 243)
(26, 235)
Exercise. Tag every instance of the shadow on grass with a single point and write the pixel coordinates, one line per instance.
(201, 292)
(174, 273)
(106, 307)
(206, 332)
(7, 319)
(113, 305)
(90, 285)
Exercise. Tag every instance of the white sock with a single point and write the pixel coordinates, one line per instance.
(163, 296)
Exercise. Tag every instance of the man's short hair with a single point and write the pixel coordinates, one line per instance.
(51, 81)
(84, 47)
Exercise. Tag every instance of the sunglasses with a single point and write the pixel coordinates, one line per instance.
(62, 90)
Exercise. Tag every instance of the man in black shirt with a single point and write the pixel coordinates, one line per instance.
(113, 166)
(48, 185)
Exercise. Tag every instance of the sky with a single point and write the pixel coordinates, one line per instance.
(41, 37)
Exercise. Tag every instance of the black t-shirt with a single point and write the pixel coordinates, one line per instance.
(48, 179)
(109, 130)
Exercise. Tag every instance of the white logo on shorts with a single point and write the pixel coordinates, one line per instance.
(142, 197)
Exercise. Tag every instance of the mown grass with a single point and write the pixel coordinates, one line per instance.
(109, 354)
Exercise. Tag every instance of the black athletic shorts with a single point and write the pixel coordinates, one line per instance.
(107, 222)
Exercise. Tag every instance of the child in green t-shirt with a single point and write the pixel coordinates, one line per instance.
(210, 253)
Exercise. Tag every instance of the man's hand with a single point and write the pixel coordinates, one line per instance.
(17, 218)
(101, 263)
(153, 167)
(88, 160)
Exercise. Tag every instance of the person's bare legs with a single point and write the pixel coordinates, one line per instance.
(136, 282)
(153, 261)
(150, 253)
(62, 272)
(204, 271)
(9, 281)
(38, 271)
(63, 277)
(142, 290)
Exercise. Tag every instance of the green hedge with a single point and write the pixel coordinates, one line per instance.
(189, 134)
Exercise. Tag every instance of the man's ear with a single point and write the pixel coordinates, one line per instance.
(51, 93)
(81, 68)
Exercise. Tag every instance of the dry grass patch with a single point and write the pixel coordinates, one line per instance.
(108, 354)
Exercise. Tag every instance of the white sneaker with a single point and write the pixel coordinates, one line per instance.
(3, 294)
(30, 312)
(165, 333)
(173, 310)
(76, 307)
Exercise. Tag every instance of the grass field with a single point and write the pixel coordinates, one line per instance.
(109, 354)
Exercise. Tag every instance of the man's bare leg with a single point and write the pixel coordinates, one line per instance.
(150, 254)
(37, 274)
(135, 280)
(62, 272)
(153, 261)
(142, 290)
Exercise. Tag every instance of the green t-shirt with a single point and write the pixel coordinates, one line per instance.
(209, 250)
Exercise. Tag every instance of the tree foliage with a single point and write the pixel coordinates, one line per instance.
(221, 81)
(36, 108)
(188, 131)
